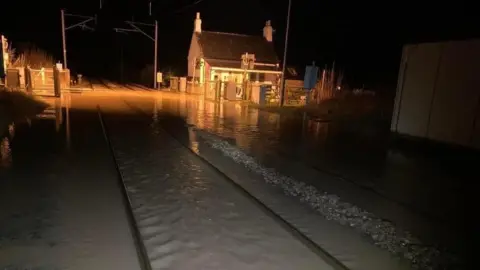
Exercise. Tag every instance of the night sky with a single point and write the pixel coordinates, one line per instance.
(363, 38)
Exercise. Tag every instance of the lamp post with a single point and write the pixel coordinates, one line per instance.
(282, 93)
(64, 43)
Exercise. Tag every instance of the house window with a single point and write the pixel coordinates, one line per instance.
(198, 63)
(261, 77)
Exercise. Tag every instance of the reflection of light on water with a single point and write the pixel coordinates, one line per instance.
(161, 103)
(193, 141)
(155, 111)
(58, 113)
(319, 130)
(253, 118)
(68, 102)
(189, 116)
(273, 118)
(183, 104)
(5, 153)
(201, 114)
(238, 110)
(221, 112)
(194, 147)
(218, 118)
(210, 108)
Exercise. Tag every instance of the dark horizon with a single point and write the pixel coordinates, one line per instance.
(363, 39)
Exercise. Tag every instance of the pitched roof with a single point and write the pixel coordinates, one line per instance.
(228, 46)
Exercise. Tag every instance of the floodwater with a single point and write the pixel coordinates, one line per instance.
(359, 198)
(420, 190)
(427, 182)
(60, 202)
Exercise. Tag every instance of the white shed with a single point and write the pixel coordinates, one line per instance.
(438, 92)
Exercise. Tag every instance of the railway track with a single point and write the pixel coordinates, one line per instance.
(287, 227)
(142, 254)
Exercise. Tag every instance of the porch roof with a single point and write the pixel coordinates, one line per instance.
(247, 70)
(229, 64)
(223, 63)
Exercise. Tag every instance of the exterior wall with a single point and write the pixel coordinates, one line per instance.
(271, 78)
(457, 93)
(417, 88)
(191, 66)
(222, 75)
(438, 92)
(399, 92)
(205, 71)
(193, 54)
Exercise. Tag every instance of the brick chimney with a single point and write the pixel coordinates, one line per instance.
(268, 31)
(198, 24)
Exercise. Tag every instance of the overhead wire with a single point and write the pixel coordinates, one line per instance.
(188, 6)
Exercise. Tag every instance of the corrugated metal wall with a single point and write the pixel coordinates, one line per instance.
(438, 92)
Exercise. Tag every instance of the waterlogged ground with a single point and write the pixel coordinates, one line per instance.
(191, 168)
(410, 202)
(61, 206)
(189, 216)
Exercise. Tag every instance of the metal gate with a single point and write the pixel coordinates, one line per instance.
(216, 90)
(42, 79)
(212, 90)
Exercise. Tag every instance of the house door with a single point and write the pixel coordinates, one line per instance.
(239, 90)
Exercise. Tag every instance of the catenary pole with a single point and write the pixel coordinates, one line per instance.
(282, 93)
(64, 42)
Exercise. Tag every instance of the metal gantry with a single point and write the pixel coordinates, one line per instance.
(81, 24)
(135, 27)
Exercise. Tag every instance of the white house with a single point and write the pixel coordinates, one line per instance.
(232, 57)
